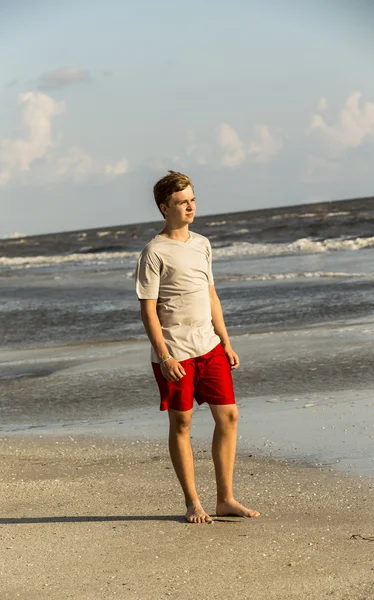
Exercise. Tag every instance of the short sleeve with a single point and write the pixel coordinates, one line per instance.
(210, 272)
(147, 276)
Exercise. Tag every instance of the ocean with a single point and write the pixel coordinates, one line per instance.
(296, 285)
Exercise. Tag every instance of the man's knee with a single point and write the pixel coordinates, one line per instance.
(233, 415)
(227, 416)
(180, 421)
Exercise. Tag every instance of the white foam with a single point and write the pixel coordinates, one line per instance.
(46, 261)
(285, 276)
(324, 216)
(237, 249)
(310, 215)
(301, 246)
(215, 223)
(11, 236)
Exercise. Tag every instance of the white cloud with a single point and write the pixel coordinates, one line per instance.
(119, 168)
(36, 156)
(17, 156)
(266, 145)
(231, 150)
(355, 123)
(75, 162)
(78, 165)
(198, 151)
(323, 104)
(63, 77)
(234, 148)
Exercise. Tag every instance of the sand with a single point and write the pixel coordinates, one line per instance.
(94, 518)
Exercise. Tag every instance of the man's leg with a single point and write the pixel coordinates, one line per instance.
(182, 459)
(223, 452)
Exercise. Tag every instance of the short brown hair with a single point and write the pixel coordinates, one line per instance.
(165, 187)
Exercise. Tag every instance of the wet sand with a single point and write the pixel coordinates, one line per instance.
(93, 518)
(109, 389)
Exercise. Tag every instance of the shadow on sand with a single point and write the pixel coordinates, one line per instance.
(100, 519)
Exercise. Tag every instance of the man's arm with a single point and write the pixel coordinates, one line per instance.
(220, 327)
(171, 369)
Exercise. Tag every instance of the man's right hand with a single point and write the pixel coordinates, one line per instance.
(172, 370)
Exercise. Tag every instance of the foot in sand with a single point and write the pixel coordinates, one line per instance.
(196, 514)
(232, 507)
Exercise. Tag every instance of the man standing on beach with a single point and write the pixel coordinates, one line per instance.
(191, 353)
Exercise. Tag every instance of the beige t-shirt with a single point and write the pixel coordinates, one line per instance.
(178, 275)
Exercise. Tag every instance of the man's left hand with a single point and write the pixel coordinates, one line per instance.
(232, 357)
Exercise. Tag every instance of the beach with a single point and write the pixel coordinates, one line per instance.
(94, 518)
(91, 507)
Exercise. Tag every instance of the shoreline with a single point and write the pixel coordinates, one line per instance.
(104, 438)
(135, 427)
(87, 517)
(304, 394)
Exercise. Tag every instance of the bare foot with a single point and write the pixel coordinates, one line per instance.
(232, 507)
(196, 514)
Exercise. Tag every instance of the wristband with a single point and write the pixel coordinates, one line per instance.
(164, 360)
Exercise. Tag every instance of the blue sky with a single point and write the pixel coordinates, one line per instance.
(261, 103)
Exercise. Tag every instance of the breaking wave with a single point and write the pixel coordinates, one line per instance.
(26, 262)
(301, 246)
(12, 236)
(87, 255)
(286, 276)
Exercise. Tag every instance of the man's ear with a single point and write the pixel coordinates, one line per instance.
(163, 208)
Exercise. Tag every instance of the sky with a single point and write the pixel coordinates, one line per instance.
(262, 103)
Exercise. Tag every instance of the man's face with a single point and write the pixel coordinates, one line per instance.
(181, 207)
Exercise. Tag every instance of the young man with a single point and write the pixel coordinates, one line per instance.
(191, 353)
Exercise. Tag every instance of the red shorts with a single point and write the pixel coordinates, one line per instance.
(208, 379)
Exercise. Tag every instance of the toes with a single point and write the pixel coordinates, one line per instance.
(198, 518)
(191, 519)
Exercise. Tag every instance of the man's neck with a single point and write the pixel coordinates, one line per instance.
(180, 234)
